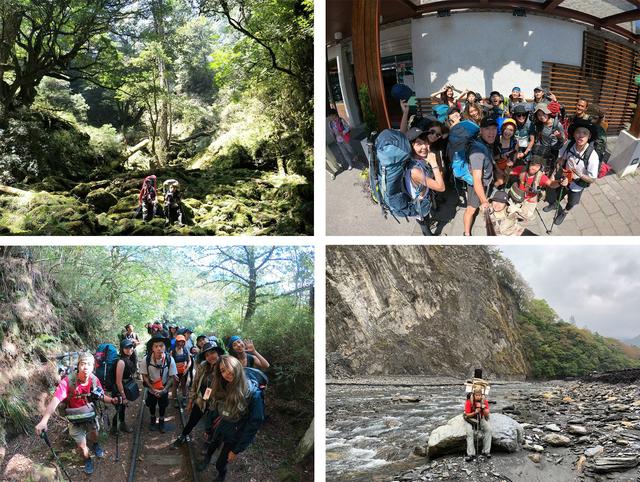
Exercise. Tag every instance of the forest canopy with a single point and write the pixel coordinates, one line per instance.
(90, 90)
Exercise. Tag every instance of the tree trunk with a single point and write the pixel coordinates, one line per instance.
(163, 117)
(252, 288)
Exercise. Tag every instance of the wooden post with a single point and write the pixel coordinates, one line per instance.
(365, 20)
(634, 130)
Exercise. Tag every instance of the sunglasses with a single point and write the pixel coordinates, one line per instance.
(521, 115)
(434, 133)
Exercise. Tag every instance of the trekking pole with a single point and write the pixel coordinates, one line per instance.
(555, 216)
(117, 424)
(542, 220)
(43, 435)
(477, 435)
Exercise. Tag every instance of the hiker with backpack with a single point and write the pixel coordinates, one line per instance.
(495, 107)
(342, 133)
(200, 394)
(508, 148)
(423, 172)
(125, 385)
(522, 133)
(245, 351)
(158, 371)
(480, 157)
(173, 205)
(182, 358)
(528, 187)
(80, 390)
(476, 416)
(515, 99)
(579, 162)
(148, 199)
(129, 334)
(547, 134)
(238, 406)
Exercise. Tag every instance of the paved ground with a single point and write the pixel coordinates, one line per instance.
(610, 207)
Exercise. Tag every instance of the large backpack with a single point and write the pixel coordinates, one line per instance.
(145, 190)
(461, 136)
(390, 158)
(440, 112)
(585, 158)
(106, 357)
(257, 376)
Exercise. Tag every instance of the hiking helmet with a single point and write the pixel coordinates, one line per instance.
(127, 343)
(510, 122)
(583, 123)
(212, 346)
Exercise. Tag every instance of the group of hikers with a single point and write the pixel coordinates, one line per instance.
(223, 387)
(148, 201)
(500, 155)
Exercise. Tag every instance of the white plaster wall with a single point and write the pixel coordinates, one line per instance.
(487, 51)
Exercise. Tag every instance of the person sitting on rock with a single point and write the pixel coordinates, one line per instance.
(173, 206)
(147, 198)
(476, 414)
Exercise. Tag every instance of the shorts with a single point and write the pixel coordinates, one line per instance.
(79, 432)
(472, 198)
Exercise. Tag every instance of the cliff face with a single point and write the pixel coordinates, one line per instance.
(419, 310)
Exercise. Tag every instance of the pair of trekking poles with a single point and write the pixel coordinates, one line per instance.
(44, 437)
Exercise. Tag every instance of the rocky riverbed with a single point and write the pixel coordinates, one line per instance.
(377, 429)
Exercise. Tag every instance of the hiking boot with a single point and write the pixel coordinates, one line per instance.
(88, 466)
(98, 450)
(125, 428)
(204, 464)
(114, 429)
(152, 423)
(560, 217)
(548, 208)
(178, 442)
(469, 458)
(161, 426)
(487, 455)
(220, 477)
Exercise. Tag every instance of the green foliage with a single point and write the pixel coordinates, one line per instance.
(365, 104)
(55, 96)
(557, 349)
(105, 141)
(14, 410)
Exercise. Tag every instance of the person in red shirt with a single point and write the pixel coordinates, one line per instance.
(75, 390)
(531, 178)
(476, 415)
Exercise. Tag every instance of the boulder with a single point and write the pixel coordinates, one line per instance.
(556, 440)
(102, 200)
(535, 458)
(577, 430)
(552, 427)
(594, 451)
(507, 435)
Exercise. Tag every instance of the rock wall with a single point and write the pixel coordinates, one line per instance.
(419, 310)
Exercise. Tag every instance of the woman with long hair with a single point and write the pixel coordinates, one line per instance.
(473, 112)
(238, 405)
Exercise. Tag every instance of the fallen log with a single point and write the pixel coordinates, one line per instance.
(138, 146)
(191, 137)
(612, 464)
(12, 191)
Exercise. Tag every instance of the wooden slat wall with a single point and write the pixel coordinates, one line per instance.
(605, 77)
(366, 48)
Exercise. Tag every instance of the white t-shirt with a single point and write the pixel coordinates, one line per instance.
(154, 373)
(574, 160)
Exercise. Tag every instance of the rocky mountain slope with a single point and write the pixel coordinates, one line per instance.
(429, 310)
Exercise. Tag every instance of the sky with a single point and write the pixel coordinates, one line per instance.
(598, 285)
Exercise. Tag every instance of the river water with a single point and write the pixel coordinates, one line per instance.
(372, 429)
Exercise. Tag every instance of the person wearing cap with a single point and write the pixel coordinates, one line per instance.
(424, 171)
(126, 368)
(129, 334)
(200, 394)
(453, 116)
(522, 133)
(200, 341)
(495, 108)
(182, 358)
(481, 163)
(538, 97)
(508, 150)
(75, 390)
(246, 352)
(515, 98)
(158, 371)
(503, 215)
(582, 160)
(547, 134)
(476, 414)
(531, 179)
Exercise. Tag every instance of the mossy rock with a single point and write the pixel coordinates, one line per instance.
(126, 204)
(102, 200)
(55, 184)
(84, 188)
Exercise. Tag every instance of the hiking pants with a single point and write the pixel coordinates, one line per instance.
(347, 152)
(174, 213)
(148, 210)
(573, 197)
(162, 403)
(485, 428)
(194, 418)
(221, 463)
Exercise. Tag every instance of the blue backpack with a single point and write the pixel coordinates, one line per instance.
(461, 136)
(106, 357)
(440, 112)
(388, 163)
